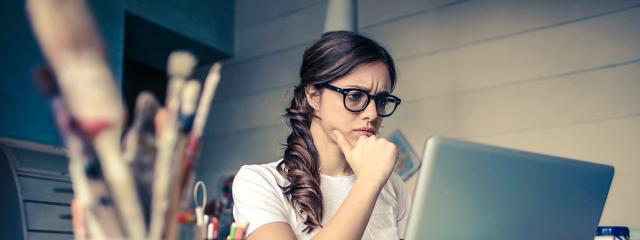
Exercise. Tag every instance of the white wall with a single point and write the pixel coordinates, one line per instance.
(556, 77)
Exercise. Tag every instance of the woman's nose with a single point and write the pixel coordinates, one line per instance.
(370, 111)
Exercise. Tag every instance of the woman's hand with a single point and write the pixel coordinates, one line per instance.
(372, 158)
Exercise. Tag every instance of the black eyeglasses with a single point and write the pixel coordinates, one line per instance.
(356, 100)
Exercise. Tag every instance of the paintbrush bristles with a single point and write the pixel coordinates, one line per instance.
(209, 90)
(190, 93)
(180, 64)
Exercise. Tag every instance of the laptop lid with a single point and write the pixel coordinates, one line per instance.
(472, 191)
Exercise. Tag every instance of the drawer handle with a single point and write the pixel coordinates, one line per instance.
(63, 190)
(64, 216)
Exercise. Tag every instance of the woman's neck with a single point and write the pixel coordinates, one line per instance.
(331, 159)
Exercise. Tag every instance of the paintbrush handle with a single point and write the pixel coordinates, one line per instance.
(73, 48)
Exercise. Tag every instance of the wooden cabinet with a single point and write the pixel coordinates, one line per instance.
(36, 191)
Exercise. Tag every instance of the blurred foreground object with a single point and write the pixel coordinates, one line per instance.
(160, 147)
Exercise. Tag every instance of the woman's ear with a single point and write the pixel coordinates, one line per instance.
(313, 96)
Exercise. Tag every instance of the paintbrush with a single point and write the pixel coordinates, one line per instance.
(89, 187)
(208, 92)
(71, 45)
(189, 98)
(188, 105)
(139, 147)
(179, 66)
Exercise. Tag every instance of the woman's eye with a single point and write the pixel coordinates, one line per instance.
(383, 101)
(355, 96)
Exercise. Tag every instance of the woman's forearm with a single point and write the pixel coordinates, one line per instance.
(353, 215)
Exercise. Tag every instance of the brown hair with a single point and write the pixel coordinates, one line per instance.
(334, 55)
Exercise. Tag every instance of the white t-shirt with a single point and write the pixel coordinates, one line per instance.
(258, 200)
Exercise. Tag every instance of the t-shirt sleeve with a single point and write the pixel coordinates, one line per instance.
(257, 199)
(404, 204)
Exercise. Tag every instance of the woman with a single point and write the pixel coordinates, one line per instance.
(335, 180)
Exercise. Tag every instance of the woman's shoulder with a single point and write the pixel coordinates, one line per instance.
(267, 172)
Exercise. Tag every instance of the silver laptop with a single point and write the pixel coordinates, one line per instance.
(472, 191)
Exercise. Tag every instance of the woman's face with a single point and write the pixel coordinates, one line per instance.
(374, 79)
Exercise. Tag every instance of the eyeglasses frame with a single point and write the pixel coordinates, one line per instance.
(345, 92)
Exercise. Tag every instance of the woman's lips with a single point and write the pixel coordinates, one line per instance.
(365, 132)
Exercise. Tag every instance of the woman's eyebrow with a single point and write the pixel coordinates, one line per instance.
(358, 87)
(367, 89)
(385, 92)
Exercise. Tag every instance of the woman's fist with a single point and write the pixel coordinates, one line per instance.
(372, 158)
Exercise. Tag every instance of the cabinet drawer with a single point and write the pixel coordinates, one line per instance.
(43, 162)
(45, 190)
(49, 236)
(42, 216)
